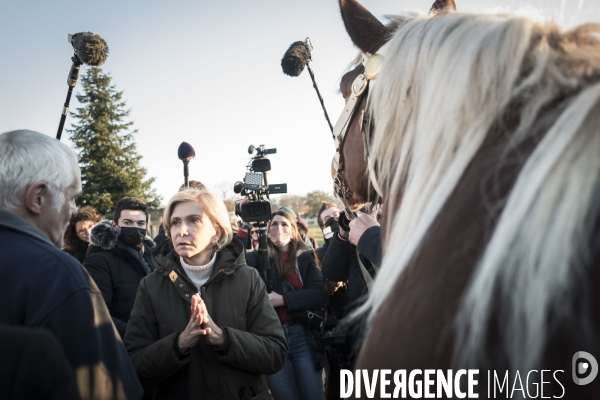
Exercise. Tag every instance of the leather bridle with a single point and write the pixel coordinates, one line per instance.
(372, 64)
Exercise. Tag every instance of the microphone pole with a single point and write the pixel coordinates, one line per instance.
(312, 77)
(71, 81)
(263, 253)
(89, 49)
(186, 173)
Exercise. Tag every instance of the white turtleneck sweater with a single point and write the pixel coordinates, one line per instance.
(199, 274)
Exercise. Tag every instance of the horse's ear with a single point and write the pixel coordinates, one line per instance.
(442, 5)
(366, 32)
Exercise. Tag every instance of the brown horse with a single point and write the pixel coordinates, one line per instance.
(485, 145)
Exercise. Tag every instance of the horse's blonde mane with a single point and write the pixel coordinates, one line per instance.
(444, 83)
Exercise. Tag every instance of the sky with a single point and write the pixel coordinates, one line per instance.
(208, 73)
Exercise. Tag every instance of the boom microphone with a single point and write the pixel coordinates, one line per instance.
(89, 49)
(186, 152)
(296, 58)
(293, 62)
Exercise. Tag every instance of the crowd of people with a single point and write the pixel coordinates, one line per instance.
(191, 313)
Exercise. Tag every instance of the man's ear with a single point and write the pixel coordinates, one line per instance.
(36, 197)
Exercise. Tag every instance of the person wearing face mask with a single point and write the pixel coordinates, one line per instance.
(119, 257)
(77, 235)
(296, 286)
(202, 326)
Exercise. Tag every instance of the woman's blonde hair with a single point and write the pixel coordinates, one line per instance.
(213, 207)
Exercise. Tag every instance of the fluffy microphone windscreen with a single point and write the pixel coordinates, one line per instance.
(295, 59)
(185, 152)
(90, 48)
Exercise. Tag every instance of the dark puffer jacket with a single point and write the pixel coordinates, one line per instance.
(117, 269)
(312, 296)
(236, 300)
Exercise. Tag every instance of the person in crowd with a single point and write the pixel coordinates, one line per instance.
(341, 263)
(202, 326)
(161, 237)
(337, 356)
(343, 266)
(297, 286)
(303, 230)
(234, 221)
(77, 235)
(242, 235)
(303, 235)
(42, 286)
(119, 257)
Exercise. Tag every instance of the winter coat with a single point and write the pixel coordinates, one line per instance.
(117, 270)
(312, 296)
(80, 251)
(238, 303)
(34, 366)
(340, 263)
(162, 236)
(369, 245)
(42, 287)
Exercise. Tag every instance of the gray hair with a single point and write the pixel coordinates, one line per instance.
(27, 157)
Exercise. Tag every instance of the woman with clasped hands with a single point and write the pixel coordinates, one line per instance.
(202, 326)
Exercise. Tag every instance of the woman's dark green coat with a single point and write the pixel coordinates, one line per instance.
(236, 300)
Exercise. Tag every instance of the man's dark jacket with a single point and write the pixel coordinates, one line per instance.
(340, 263)
(43, 287)
(33, 366)
(238, 303)
(117, 270)
(369, 245)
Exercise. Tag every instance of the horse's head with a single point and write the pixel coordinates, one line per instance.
(369, 35)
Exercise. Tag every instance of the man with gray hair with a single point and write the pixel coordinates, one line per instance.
(43, 287)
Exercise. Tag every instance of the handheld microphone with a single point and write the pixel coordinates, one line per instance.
(89, 49)
(186, 152)
(298, 56)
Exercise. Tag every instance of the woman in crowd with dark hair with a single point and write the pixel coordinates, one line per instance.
(297, 286)
(202, 326)
(77, 235)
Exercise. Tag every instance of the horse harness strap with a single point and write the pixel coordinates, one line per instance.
(359, 87)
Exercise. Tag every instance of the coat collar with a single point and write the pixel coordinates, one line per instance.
(18, 224)
(231, 257)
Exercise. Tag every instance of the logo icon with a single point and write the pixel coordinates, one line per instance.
(584, 367)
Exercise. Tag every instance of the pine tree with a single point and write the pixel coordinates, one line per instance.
(108, 157)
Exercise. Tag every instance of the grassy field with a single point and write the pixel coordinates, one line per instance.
(315, 232)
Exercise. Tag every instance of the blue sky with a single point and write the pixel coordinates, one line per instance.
(207, 72)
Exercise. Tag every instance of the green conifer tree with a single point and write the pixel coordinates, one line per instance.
(108, 157)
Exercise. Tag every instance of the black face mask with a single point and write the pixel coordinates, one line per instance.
(132, 236)
(331, 227)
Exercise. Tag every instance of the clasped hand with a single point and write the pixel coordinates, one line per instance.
(200, 324)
